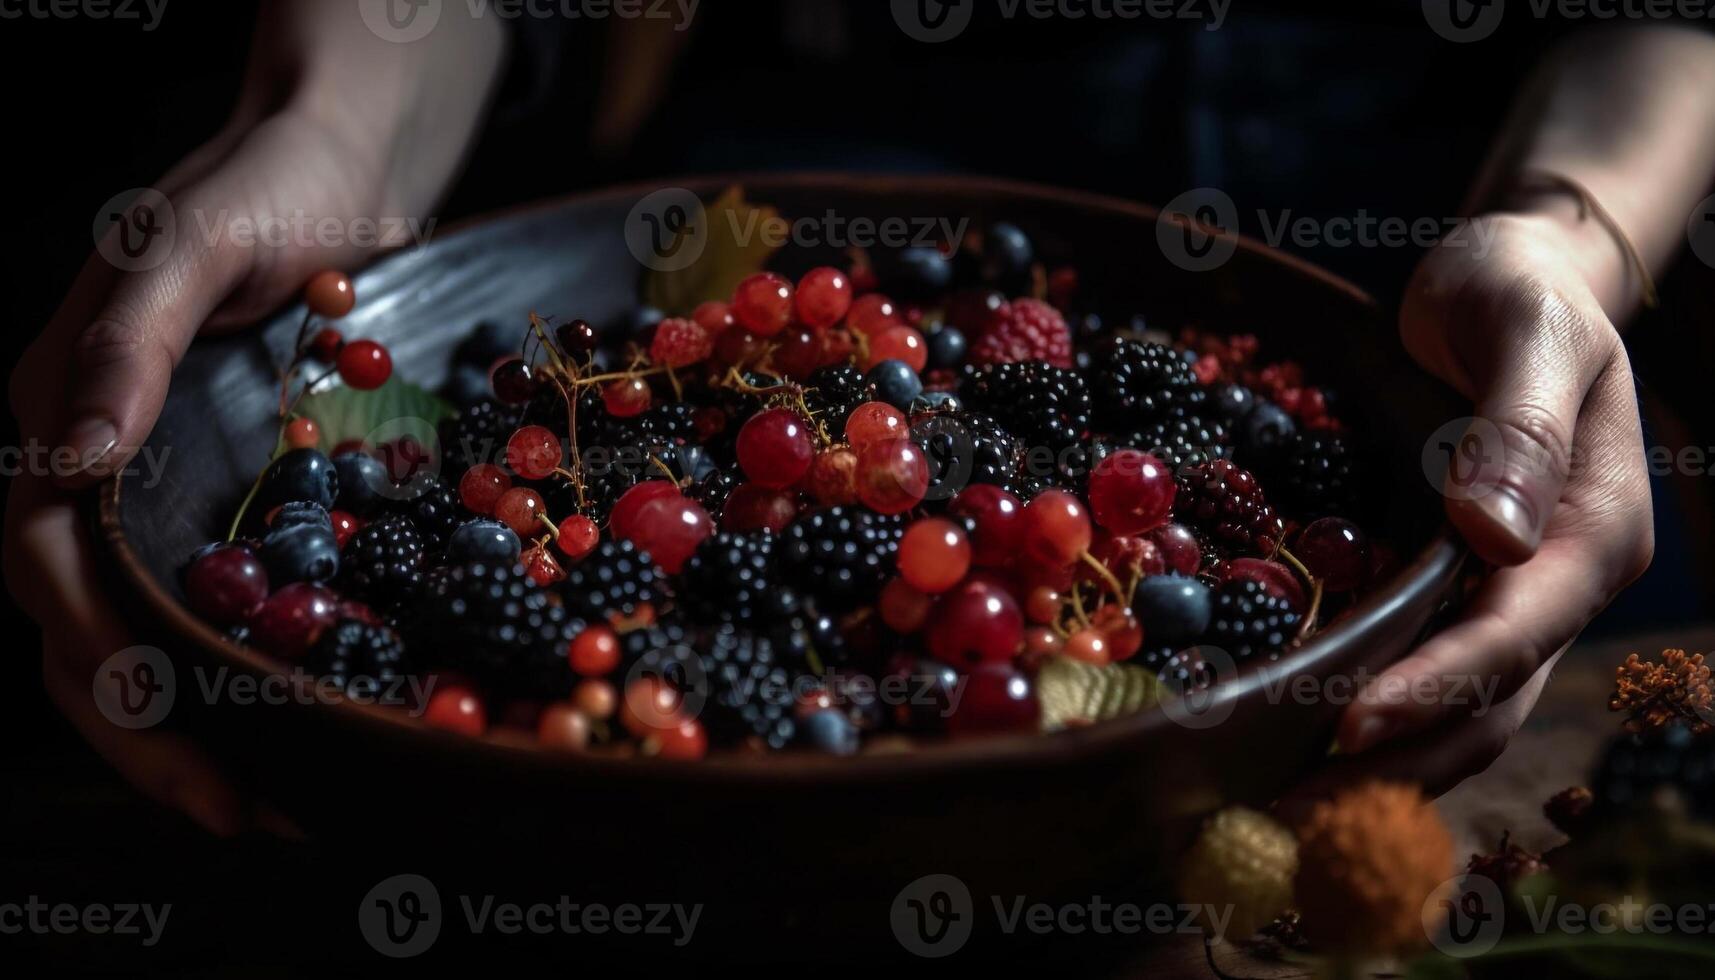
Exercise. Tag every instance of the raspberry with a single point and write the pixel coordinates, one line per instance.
(679, 343)
(1250, 623)
(1025, 330)
(1228, 504)
(1243, 862)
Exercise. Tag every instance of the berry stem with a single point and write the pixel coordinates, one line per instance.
(1315, 584)
(1106, 573)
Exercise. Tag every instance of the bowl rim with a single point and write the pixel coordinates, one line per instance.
(1435, 562)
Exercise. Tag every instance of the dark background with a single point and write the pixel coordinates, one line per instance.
(1323, 109)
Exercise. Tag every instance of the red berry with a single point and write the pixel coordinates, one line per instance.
(1121, 627)
(670, 527)
(1131, 492)
(1043, 605)
(513, 381)
(997, 698)
(892, 476)
(714, 317)
(1000, 523)
(751, 507)
(578, 536)
(542, 567)
(1178, 547)
(365, 365)
(596, 698)
(874, 422)
(226, 585)
(289, 621)
(1042, 641)
(898, 344)
(763, 304)
(680, 343)
(832, 479)
(595, 652)
(519, 508)
(739, 348)
(458, 709)
(329, 293)
(1335, 551)
(977, 621)
(824, 296)
(1276, 579)
(903, 608)
(627, 397)
(622, 520)
(1056, 528)
(873, 313)
(563, 726)
(650, 706)
(483, 485)
(686, 740)
(325, 345)
(533, 452)
(1025, 330)
(1090, 646)
(774, 448)
(934, 555)
(799, 353)
(577, 337)
(1127, 557)
(344, 526)
(303, 433)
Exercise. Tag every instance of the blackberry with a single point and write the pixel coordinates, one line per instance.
(1135, 384)
(1317, 477)
(662, 649)
(732, 578)
(1227, 503)
(1181, 442)
(842, 553)
(1635, 769)
(664, 425)
(615, 578)
(383, 561)
(436, 512)
(476, 435)
(713, 490)
(360, 659)
(1250, 623)
(497, 625)
(965, 448)
(607, 471)
(1183, 671)
(832, 392)
(810, 639)
(1042, 405)
(750, 693)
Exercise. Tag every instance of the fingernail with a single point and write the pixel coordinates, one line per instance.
(1371, 731)
(91, 442)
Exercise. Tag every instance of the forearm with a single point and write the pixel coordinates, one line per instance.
(1626, 114)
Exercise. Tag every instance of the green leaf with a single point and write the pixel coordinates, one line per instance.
(1074, 692)
(393, 411)
(734, 250)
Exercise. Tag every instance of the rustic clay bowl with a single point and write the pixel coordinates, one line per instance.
(823, 842)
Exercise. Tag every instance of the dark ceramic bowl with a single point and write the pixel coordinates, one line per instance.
(1071, 813)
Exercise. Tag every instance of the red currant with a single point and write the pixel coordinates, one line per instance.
(892, 476)
(456, 708)
(799, 353)
(533, 452)
(1179, 548)
(1336, 552)
(872, 313)
(774, 448)
(763, 304)
(898, 344)
(1043, 604)
(596, 698)
(594, 652)
(289, 621)
(519, 508)
(874, 422)
(650, 705)
(686, 740)
(482, 486)
(622, 521)
(365, 365)
(1042, 641)
(1131, 492)
(329, 293)
(934, 555)
(977, 621)
(714, 317)
(226, 584)
(578, 536)
(542, 567)
(627, 397)
(325, 345)
(824, 296)
(751, 507)
(1090, 646)
(832, 479)
(513, 381)
(303, 433)
(670, 527)
(1056, 528)
(739, 348)
(1122, 629)
(997, 698)
(344, 526)
(1276, 579)
(577, 337)
(903, 608)
(563, 726)
(1000, 523)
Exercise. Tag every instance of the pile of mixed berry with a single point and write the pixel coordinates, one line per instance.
(803, 516)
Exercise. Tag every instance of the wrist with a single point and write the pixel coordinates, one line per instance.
(1591, 239)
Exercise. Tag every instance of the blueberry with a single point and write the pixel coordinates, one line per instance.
(643, 320)
(296, 512)
(302, 474)
(467, 385)
(483, 540)
(895, 383)
(917, 273)
(1173, 609)
(947, 348)
(1233, 402)
(1007, 253)
(832, 732)
(300, 553)
(1266, 433)
(488, 343)
(1087, 327)
(361, 480)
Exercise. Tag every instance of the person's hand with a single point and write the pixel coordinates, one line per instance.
(338, 136)
(1563, 508)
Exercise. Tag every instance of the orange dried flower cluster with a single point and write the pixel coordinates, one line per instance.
(1370, 861)
(1655, 694)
